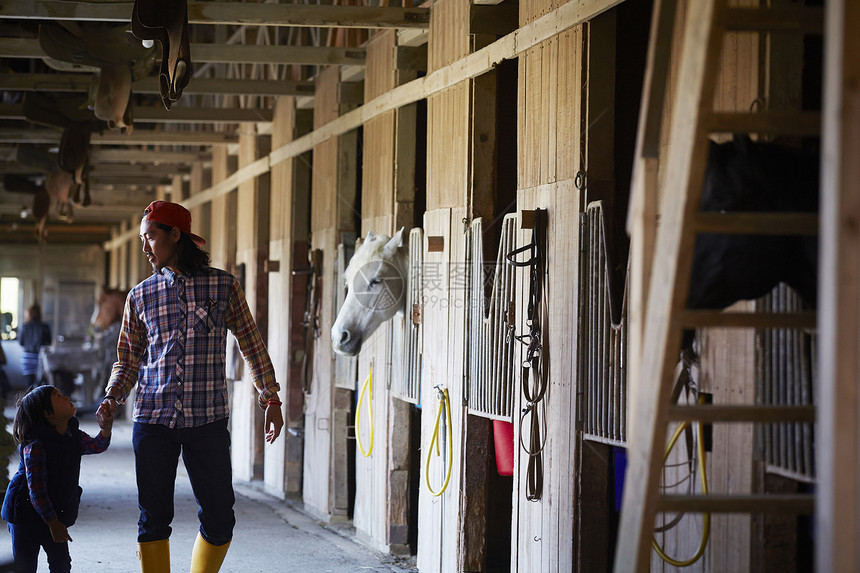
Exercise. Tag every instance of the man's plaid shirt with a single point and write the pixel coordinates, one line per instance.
(172, 345)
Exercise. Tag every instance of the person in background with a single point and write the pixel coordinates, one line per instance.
(172, 345)
(43, 497)
(32, 335)
(5, 385)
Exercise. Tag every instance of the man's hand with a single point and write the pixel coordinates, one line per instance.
(104, 416)
(274, 422)
(59, 533)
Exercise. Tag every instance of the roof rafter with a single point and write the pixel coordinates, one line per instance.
(230, 13)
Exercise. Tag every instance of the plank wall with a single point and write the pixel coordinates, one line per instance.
(372, 495)
(122, 259)
(550, 80)
(449, 111)
(371, 472)
(325, 463)
(439, 516)
(252, 247)
(382, 479)
(449, 116)
(219, 244)
(289, 211)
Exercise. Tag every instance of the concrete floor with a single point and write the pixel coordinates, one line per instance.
(271, 536)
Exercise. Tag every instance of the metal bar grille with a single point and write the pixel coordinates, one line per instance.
(490, 341)
(407, 385)
(785, 376)
(602, 354)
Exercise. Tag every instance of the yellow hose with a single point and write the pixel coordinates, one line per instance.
(369, 387)
(703, 478)
(442, 394)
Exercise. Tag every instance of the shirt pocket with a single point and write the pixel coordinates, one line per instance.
(208, 317)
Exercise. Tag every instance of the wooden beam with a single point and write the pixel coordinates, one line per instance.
(475, 64)
(802, 504)
(305, 55)
(138, 137)
(138, 180)
(222, 53)
(106, 170)
(71, 82)
(138, 169)
(177, 114)
(57, 228)
(230, 13)
(132, 156)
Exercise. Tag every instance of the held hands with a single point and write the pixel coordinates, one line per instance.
(274, 422)
(59, 533)
(105, 415)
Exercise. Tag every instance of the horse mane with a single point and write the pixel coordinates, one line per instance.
(369, 250)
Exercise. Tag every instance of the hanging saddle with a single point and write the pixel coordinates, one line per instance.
(167, 22)
(70, 113)
(111, 52)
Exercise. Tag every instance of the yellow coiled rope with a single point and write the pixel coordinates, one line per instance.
(703, 478)
(368, 386)
(443, 403)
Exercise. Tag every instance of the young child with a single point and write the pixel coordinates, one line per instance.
(43, 496)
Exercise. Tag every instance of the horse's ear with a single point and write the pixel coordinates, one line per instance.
(394, 243)
(370, 235)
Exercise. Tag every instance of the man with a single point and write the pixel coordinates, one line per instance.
(172, 345)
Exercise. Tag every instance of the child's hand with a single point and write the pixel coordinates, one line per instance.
(59, 533)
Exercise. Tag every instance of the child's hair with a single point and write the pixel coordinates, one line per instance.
(32, 408)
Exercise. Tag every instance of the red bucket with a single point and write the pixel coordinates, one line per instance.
(503, 437)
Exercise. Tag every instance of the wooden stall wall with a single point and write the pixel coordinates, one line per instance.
(252, 248)
(289, 216)
(371, 518)
(328, 409)
(440, 517)
(727, 361)
(222, 243)
(382, 500)
(549, 156)
(449, 115)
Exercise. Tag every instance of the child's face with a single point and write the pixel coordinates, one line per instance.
(63, 407)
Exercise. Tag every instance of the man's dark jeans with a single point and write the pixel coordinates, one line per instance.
(26, 541)
(206, 453)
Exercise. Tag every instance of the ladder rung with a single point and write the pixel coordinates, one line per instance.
(806, 19)
(769, 122)
(720, 319)
(752, 223)
(743, 413)
(799, 504)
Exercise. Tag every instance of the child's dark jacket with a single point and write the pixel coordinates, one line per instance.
(62, 469)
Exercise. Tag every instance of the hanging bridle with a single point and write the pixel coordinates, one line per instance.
(533, 388)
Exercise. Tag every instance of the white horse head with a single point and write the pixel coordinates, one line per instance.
(376, 283)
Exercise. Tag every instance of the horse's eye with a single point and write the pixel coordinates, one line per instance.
(374, 282)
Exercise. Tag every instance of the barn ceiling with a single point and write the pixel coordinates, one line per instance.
(243, 55)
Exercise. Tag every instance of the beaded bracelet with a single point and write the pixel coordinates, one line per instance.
(275, 402)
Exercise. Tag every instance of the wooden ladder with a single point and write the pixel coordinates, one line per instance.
(667, 283)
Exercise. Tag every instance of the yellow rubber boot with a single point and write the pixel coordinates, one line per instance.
(154, 556)
(207, 558)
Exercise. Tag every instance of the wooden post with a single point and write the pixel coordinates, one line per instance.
(252, 248)
(837, 440)
(326, 467)
(290, 204)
